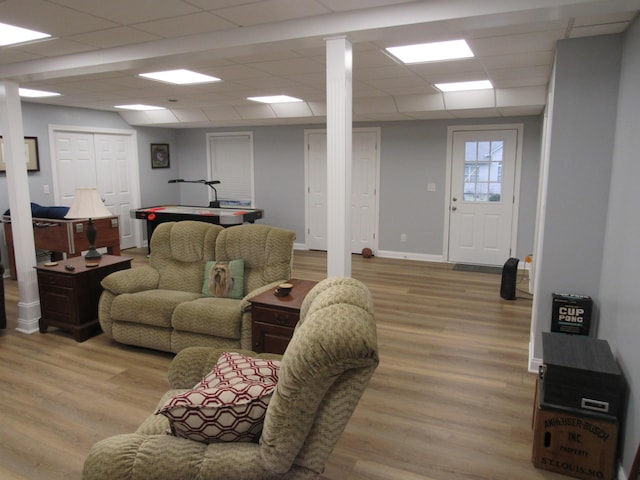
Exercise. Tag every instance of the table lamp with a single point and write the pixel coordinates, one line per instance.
(88, 204)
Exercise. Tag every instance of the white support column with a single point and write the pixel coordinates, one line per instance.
(339, 138)
(20, 205)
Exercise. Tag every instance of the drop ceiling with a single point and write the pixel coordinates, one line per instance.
(274, 47)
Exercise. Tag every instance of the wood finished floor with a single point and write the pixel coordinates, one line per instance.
(451, 399)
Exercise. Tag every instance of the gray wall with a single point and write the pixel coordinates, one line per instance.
(592, 227)
(412, 154)
(619, 299)
(154, 186)
(583, 118)
(36, 119)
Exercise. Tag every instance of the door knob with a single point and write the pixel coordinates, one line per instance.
(455, 199)
(453, 209)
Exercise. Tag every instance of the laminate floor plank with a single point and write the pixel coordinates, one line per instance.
(451, 399)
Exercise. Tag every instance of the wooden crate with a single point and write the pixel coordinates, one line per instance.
(576, 445)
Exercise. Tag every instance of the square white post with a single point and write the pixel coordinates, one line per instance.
(339, 138)
(20, 205)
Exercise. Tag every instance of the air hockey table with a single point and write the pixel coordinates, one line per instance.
(225, 217)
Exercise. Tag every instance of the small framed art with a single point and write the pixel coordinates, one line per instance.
(160, 155)
(30, 154)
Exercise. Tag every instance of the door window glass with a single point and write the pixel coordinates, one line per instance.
(483, 171)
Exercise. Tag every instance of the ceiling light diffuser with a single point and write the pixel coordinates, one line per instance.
(180, 77)
(11, 35)
(432, 52)
(139, 107)
(275, 99)
(461, 86)
(29, 93)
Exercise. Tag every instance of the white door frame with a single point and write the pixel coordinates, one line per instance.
(134, 167)
(516, 187)
(376, 219)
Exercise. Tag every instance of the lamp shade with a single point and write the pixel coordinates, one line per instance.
(87, 204)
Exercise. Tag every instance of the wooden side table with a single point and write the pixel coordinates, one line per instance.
(69, 298)
(273, 318)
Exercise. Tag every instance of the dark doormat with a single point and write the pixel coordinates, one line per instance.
(464, 267)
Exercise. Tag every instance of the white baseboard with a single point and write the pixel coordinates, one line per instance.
(28, 326)
(391, 254)
(423, 257)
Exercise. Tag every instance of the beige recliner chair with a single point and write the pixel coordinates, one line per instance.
(323, 374)
(162, 305)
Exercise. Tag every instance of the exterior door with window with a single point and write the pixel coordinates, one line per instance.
(481, 203)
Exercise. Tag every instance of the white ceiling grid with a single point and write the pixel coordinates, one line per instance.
(269, 47)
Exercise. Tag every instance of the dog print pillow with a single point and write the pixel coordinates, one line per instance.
(224, 279)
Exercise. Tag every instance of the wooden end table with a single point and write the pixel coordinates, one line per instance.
(69, 298)
(274, 318)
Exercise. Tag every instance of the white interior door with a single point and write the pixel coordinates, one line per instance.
(364, 208)
(113, 183)
(482, 196)
(317, 191)
(103, 160)
(363, 190)
(75, 162)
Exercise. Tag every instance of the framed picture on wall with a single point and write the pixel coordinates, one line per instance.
(160, 155)
(30, 154)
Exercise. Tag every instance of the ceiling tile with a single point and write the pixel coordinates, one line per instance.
(518, 60)
(289, 66)
(513, 48)
(509, 44)
(255, 111)
(605, 18)
(475, 112)
(511, 97)
(126, 12)
(374, 105)
(606, 29)
(50, 18)
(184, 25)
(113, 37)
(221, 113)
(413, 103)
(469, 100)
(270, 11)
(189, 115)
(54, 47)
(294, 109)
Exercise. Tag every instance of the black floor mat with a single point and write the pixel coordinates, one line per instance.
(464, 267)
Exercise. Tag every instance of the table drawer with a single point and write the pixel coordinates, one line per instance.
(45, 278)
(58, 304)
(275, 317)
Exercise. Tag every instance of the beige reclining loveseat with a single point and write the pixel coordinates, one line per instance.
(163, 305)
(322, 376)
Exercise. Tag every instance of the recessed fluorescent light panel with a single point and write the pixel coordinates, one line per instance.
(27, 92)
(274, 99)
(432, 52)
(180, 77)
(11, 35)
(139, 107)
(462, 86)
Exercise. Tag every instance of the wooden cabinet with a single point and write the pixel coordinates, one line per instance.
(69, 298)
(274, 318)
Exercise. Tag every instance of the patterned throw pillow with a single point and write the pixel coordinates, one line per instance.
(224, 279)
(228, 405)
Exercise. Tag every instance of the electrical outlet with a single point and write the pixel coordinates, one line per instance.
(45, 189)
(403, 237)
